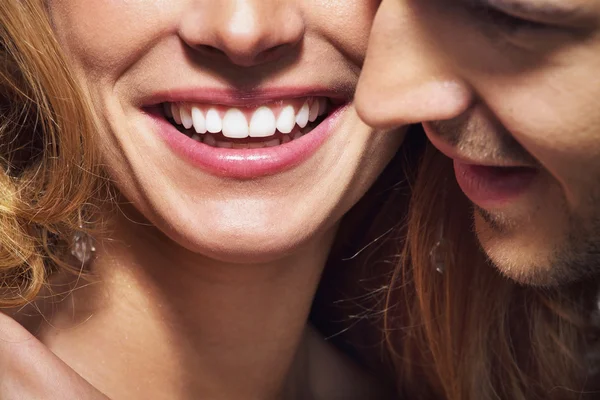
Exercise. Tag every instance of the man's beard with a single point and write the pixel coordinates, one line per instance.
(580, 257)
(575, 259)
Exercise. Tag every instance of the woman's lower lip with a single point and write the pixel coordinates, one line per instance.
(247, 163)
(490, 187)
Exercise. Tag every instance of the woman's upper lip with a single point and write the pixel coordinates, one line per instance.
(452, 152)
(241, 98)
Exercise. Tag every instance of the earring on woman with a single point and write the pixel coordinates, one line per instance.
(83, 246)
(438, 252)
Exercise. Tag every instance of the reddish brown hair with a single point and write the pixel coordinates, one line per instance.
(466, 334)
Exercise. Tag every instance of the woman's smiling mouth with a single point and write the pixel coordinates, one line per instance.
(247, 140)
(267, 125)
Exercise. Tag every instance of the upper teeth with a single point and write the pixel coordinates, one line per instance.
(236, 123)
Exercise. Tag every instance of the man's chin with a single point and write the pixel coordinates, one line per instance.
(527, 265)
(529, 275)
(519, 261)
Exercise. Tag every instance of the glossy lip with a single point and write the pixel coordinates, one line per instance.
(493, 187)
(233, 98)
(242, 164)
(488, 184)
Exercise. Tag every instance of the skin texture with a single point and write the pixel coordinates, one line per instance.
(205, 285)
(496, 90)
(125, 51)
(30, 371)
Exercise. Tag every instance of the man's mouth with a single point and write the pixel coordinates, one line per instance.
(250, 127)
(491, 187)
(491, 173)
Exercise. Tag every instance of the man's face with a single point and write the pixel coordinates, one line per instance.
(509, 89)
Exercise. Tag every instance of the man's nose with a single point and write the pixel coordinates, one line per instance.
(405, 78)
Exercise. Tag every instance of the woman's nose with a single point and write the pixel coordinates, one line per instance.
(247, 32)
(406, 79)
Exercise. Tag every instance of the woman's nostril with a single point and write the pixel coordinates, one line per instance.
(244, 58)
(277, 48)
(243, 36)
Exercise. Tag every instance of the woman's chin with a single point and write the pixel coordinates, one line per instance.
(237, 229)
(244, 244)
(249, 248)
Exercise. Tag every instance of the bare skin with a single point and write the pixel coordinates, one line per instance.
(499, 83)
(153, 346)
(29, 370)
(203, 285)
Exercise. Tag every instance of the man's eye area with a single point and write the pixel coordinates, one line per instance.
(487, 12)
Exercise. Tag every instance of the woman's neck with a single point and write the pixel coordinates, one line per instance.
(159, 321)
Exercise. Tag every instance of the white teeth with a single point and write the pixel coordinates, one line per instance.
(302, 117)
(262, 123)
(235, 125)
(175, 113)
(186, 117)
(198, 119)
(213, 121)
(286, 120)
(313, 114)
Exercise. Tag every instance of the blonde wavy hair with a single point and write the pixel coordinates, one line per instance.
(48, 163)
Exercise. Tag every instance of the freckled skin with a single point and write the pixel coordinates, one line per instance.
(529, 93)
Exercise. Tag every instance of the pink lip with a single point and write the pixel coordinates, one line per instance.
(487, 184)
(490, 187)
(236, 98)
(246, 163)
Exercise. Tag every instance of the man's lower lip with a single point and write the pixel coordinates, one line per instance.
(490, 187)
(247, 163)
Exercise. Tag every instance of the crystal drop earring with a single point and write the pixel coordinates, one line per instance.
(83, 246)
(438, 252)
